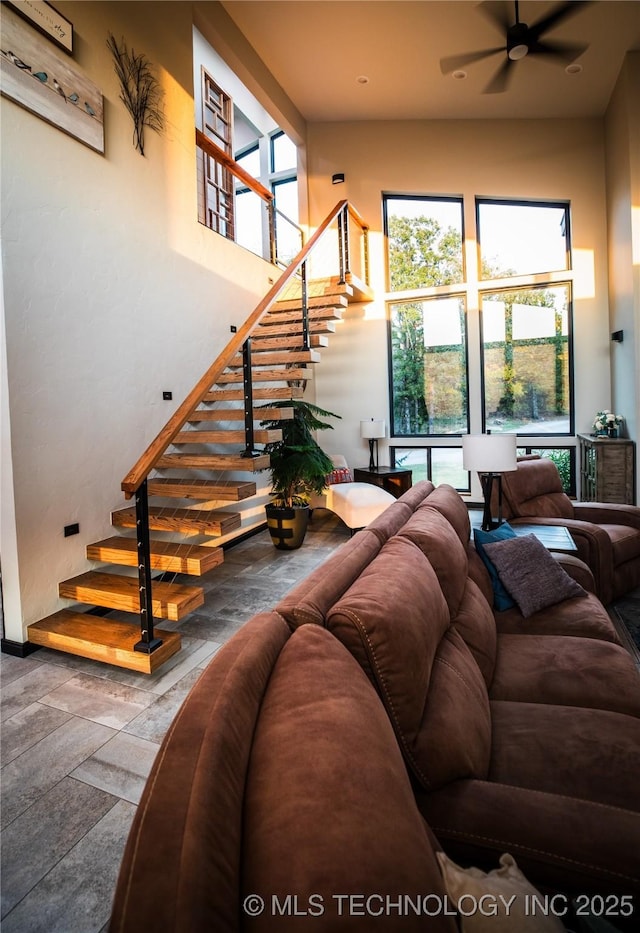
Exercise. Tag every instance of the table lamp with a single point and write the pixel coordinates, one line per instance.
(372, 430)
(489, 455)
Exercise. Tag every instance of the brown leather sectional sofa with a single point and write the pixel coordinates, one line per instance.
(380, 713)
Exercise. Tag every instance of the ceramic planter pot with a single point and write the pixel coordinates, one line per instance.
(287, 526)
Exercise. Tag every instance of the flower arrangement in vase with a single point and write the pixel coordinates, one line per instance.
(606, 423)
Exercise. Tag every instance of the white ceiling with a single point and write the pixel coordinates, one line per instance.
(316, 49)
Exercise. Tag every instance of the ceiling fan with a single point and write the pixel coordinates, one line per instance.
(521, 40)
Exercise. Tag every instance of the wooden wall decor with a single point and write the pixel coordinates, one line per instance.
(34, 74)
(47, 19)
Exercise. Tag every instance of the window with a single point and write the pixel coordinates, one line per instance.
(514, 291)
(439, 464)
(217, 209)
(226, 203)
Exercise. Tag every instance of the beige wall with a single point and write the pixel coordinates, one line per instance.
(623, 219)
(561, 160)
(112, 293)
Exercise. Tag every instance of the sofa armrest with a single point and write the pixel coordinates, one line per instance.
(577, 570)
(608, 513)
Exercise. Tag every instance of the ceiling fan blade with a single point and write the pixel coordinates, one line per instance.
(453, 62)
(562, 11)
(501, 78)
(567, 51)
(499, 12)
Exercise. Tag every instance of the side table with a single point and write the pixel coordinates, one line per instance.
(392, 479)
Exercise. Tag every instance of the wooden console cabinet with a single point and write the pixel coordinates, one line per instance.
(607, 469)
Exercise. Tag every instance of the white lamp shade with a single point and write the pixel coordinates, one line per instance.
(489, 453)
(374, 428)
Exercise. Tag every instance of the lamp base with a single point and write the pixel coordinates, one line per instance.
(373, 460)
(486, 481)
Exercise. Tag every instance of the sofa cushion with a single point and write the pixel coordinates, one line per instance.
(476, 623)
(449, 503)
(566, 671)
(311, 599)
(502, 599)
(586, 617)
(395, 621)
(437, 539)
(588, 753)
(561, 842)
(181, 865)
(530, 574)
(329, 808)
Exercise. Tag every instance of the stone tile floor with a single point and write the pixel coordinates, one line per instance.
(79, 738)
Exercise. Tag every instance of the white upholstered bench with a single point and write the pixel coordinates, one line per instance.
(356, 504)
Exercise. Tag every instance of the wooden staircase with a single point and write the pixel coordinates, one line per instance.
(201, 475)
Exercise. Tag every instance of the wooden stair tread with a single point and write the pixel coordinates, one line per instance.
(165, 555)
(273, 342)
(268, 357)
(222, 415)
(278, 328)
(170, 600)
(237, 395)
(101, 639)
(315, 303)
(187, 521)
(266, 375)
(316, 316)
(187, 487)
(226, 436)
(216, 462)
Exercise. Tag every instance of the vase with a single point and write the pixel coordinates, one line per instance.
(612, 432)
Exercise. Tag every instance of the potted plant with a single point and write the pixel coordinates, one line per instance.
(298, 467)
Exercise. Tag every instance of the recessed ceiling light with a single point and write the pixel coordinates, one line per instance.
(459, 75)
(573, 69)
(362, 79)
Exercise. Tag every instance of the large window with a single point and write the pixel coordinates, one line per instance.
(507, 281)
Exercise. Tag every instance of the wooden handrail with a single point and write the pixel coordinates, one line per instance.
(139, 472)
(204, 143)
(358, 219)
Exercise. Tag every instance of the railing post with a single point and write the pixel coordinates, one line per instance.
(306, 340)
(347, 260)
(365, 247)
(247, 380)
(341, 248)
(273, 244)
(148, 642)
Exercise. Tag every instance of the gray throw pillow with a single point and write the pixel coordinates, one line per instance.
(530, 574)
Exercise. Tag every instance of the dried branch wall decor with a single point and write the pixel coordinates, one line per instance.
(140, 90)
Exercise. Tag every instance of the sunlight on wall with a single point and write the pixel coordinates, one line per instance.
(635, 235)
(584, 274)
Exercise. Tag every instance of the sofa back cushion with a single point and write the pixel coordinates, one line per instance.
(329, 808)
(476, 624)
(534, 490)
(448, 502)
(438, 541)
(311, 599)
(395, 621)
(181, 865)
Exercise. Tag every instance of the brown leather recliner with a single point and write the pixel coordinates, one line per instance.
(606, 534)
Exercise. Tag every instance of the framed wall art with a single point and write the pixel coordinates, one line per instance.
(34, 74)
(47, 19)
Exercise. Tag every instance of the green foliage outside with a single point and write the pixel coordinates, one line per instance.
(524, 380)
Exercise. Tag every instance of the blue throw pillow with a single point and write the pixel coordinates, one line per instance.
(501, 598)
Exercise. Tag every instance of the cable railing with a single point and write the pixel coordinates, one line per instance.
(293, 283)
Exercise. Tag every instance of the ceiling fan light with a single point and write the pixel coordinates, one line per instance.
(517, 52)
